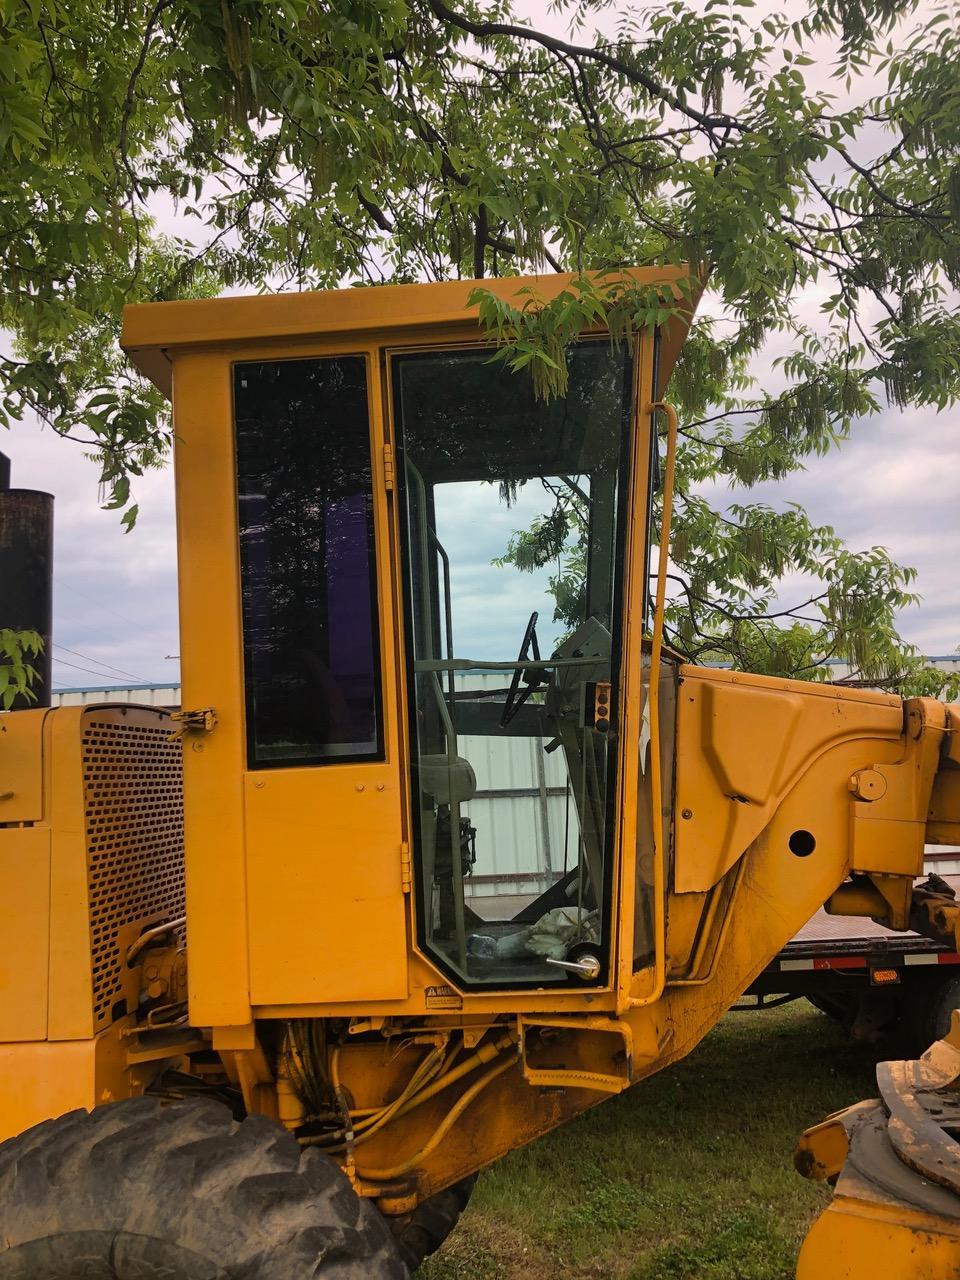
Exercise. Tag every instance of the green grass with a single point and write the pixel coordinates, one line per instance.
(688, 1176)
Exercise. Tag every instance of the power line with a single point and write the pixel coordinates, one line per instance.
(89, 658)
(89, 670)
(85, 595)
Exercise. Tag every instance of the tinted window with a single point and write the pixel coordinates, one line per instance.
(307, 561)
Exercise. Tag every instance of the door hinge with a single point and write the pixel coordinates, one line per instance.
(389, 471)
(204, 721)
(405, 877)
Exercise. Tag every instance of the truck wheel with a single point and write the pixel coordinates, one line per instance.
(145, 1189)
(840, 1007)
(930, 1009)
(425, 1230)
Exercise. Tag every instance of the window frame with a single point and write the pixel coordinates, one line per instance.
(311, 761)
(613, 815)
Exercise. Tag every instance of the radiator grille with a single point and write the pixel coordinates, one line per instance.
(133, 799)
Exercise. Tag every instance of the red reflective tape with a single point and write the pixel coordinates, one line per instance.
(841, 962)
(948, 957)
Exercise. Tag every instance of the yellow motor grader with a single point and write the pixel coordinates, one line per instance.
(418, 873)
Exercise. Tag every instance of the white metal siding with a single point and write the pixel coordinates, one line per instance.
(509, 822)
(148, 695)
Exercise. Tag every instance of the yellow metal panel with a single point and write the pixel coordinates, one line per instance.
(775, 894)
(751, 773)
(951, 746)
(71, 987)
(24, 932)
(40, 1081)
(116, 861)
(742, 742)
(327, 918)
(889, 820)
(21, 765)
(857, 1240)
(943, 820)
(211, 666)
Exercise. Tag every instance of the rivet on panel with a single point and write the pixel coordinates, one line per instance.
(381, 786)
(361, 787)
(686, 813)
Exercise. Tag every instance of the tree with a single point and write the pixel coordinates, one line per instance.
(377, 140)
(17, 674)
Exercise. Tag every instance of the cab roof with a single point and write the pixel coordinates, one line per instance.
(154, 332)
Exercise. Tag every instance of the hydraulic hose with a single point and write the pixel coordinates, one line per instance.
(446, 1124)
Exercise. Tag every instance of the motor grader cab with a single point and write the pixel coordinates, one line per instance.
(462, 850)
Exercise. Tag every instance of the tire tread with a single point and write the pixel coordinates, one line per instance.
(184, 1190)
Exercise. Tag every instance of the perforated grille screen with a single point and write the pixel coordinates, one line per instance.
(132, 781)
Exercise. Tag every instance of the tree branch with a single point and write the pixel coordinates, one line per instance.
(486, 30)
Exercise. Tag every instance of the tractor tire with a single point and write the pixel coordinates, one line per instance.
(425, 1230)
(145, 1189)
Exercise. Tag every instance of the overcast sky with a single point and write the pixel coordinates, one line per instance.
(115, 601)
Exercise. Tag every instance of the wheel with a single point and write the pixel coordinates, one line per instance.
(868, 1015)
(425, 1230)
(841, 1008)
(150, 1190)
(928, 1011)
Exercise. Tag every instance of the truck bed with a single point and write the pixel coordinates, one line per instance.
(866, 976)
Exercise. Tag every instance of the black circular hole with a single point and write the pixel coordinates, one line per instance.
(802, 844)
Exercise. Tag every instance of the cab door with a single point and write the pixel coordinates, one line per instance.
(296, 657)
(513, 518)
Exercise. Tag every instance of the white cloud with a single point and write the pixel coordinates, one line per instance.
(890, 485)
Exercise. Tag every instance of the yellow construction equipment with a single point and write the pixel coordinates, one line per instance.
(436, 899)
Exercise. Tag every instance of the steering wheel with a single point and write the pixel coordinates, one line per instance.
(532, 679)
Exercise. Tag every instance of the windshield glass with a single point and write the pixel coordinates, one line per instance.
(513, 556)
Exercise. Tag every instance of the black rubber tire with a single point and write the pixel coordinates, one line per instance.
(841, 1008)
(425, 1230)
(145, 1189)
(928, 1010)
